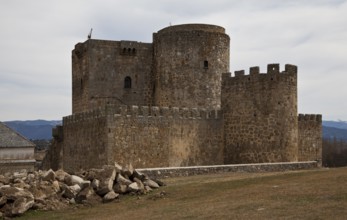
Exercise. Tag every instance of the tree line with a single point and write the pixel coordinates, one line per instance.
(334, 152)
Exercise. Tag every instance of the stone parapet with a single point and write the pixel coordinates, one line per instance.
(144, 111)
(310, 117)
(272, 69)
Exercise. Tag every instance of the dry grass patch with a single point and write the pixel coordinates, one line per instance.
(313, 194)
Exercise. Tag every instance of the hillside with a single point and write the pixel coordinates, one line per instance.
(335, 129)
(335, 124)
(35, 129)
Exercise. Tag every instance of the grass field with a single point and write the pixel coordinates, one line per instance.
(312, 194)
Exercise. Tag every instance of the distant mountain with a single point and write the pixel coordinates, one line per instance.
(335, 129)
(331, 133)
(335, 124)
(34, 129)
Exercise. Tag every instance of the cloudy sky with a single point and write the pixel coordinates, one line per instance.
(37, 36)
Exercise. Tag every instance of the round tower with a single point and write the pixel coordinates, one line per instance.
(189, 61)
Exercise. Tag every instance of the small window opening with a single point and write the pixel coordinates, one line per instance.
(127, 82)
(206, 64)
(134, 51)
(124, 50)
(81, 83)
(129, 50)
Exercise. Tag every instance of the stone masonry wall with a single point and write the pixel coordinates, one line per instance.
(85, 141)
(157, 137)
(143, 136)
(260, 115)
(310, 137)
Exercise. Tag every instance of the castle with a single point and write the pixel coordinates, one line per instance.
(174, 102)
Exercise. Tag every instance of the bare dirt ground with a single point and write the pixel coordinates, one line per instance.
(311, 194)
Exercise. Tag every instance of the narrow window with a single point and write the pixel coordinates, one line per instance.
(127, 82)
(206, 64)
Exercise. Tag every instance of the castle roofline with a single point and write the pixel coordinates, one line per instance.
(193, 27)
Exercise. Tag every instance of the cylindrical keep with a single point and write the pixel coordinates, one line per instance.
(188, 64)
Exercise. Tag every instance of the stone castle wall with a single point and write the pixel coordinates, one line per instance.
(157, 137)
(260, 115)
(85, 140)
(310, 137)
(143, 136)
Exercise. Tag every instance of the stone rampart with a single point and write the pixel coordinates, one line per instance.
(203, 170)
(310, 137)
(160, 136)
(144, 136)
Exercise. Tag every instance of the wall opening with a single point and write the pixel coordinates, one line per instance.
(205, 64)
(127, 82)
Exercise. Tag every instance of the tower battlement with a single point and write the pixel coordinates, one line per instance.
(144, 111)
(271, 69)
(310, 117)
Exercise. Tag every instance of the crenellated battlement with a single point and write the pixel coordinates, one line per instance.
(83, 116)
(310, 117)
(168, 112)
(272, 69)
(143, 111)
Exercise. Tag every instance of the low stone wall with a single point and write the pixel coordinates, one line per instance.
(166, 172)
(16, 165)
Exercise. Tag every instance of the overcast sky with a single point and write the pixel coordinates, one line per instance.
(37, 36)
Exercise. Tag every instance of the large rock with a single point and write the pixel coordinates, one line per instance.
(128, 170)
(70, 191)
(31, 178)
(85, 184)
(73, 179)
(120, 188)
(60, 175)
(55, 186)
(21, 205)
(118, 167)
(139, 175)
(121, 179)
(18, 200)
(110, 196)
(140, 185)
(106, 176)
(4, 179)
(49, 176)
(95, 184)
(134, 187)
(87, 195)
(151, 183)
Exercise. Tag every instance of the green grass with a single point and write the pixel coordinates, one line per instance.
(313, 194)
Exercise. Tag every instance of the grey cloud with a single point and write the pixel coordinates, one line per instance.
(37, 38)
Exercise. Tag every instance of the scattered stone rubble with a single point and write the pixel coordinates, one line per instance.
(49, 190)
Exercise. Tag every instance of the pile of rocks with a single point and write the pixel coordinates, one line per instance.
(49, 190)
